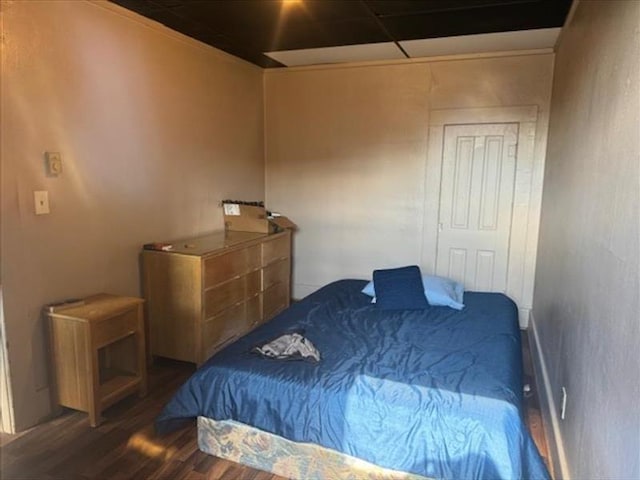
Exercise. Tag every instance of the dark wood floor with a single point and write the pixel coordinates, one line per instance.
(533, 416)
(125, 447)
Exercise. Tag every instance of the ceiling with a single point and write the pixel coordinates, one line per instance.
(279, 33)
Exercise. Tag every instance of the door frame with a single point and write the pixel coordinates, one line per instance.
(7, 423)
(525, 213)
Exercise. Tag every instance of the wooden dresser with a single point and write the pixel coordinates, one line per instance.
(207, 291)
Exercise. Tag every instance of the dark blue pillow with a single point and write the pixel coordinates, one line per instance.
(399, 289)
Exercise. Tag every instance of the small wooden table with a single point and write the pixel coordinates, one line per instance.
(98, 352)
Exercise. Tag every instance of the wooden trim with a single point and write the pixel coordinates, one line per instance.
(550, 420)
(6, 399)
(462, 116)
(409, 61)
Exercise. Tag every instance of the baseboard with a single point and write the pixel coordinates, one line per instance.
(523, 317)
(550, 420)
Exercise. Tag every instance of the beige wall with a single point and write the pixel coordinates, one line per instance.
(586, 311)
(154, 129)
(346, 153)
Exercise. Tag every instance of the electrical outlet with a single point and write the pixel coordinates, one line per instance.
(41, 199)
(563, 406)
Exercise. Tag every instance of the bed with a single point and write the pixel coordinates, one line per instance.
(433, 393)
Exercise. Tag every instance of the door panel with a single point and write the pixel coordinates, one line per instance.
(457, 263)
(485, 268)
(476, 202)
(461, 196)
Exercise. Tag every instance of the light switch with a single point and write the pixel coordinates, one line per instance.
(54, 163)
(41, 198)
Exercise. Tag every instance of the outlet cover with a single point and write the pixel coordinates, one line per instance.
(41, 199)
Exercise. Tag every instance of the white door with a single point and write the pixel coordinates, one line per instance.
(476, 201)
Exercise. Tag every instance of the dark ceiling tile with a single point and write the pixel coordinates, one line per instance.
(232, 47)
(266, 30)
(168, 3)
(327, 10)
(414, 7)
(143, 7)
(180, 24)
(326, 34)
(272, 11)
(490, 19)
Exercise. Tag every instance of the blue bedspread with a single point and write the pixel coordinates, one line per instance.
(435, 392)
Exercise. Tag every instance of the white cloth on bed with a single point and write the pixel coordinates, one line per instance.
(290, 346)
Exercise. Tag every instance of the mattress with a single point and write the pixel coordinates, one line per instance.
(434, 392)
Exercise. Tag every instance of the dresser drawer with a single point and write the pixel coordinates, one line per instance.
(274, 300)
(220, 268)
(229, 293)
(275, 249)
(111, 329)
(223, 328)
(219, 298)
(277, 272)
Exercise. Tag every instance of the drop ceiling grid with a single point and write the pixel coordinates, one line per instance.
(250, 28)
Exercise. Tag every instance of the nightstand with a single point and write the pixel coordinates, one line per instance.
(98, 351)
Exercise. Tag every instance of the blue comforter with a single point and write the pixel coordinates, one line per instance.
(435, 392)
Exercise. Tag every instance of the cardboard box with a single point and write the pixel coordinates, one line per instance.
(246, 218)
(249, 218)
(284, 223)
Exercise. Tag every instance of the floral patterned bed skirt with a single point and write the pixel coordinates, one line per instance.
(301, 461)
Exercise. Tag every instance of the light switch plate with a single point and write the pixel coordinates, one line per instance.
(41, 198)
(54, 163)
